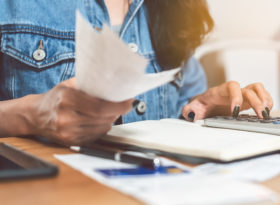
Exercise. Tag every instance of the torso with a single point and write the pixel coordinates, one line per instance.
(22, 28)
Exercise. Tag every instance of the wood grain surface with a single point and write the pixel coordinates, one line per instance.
(69, 187)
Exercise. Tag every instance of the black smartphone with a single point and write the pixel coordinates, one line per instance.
(17, 164)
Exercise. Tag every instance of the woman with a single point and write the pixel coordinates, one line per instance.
(37, 54)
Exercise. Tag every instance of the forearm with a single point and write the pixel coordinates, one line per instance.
(63, 114)
(16, 116)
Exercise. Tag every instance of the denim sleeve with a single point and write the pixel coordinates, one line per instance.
(1, 69)
(194, 83)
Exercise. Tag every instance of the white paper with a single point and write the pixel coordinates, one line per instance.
(182, 137)
(172, 190)
(258, 169)
(107, 68)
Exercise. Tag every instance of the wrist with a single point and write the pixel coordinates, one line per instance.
(29, 109)
(18, 116)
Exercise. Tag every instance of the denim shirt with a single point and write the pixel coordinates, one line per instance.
(24, 25)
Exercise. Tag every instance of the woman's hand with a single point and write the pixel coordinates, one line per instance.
(229, 99)
(71, 117)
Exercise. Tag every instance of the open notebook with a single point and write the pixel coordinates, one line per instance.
(185, 138)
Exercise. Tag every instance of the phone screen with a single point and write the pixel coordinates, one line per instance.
(6, 164)
(17, 164)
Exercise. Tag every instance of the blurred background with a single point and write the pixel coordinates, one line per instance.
(245, 44)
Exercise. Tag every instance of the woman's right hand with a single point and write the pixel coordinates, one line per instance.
(71, 117)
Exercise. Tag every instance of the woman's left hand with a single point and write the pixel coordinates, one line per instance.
(229, 99)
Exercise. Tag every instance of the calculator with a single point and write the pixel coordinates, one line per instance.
(245, 122)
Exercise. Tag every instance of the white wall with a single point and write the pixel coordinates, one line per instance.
(245, 18)
(257, 20)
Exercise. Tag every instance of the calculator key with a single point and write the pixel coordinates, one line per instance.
(219, 117)
(244, 116)
(266, 121)
(275, 118)
(253, 120)
(253, 117)
(228, 118)
(241, 119)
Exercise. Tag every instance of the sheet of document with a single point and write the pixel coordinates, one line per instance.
(107, 68)
(258, 169)
(174, 189)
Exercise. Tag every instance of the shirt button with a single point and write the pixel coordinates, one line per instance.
(141, 108)
(179, 76)
(39, 54)
(133, 47)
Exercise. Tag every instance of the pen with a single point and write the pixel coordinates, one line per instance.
(119, 156)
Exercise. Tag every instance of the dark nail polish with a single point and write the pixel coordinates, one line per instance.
(267, 110)
(135, 103)
(191, 116)
(264, 114)
(118, 121)
(236, 111)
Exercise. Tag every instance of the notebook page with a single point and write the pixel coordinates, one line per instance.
(179, 136)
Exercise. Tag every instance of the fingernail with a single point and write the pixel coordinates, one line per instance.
(236, 111)
(191, 116)
(267, 110)
(118, 121)
(135, 103)
(264, 114)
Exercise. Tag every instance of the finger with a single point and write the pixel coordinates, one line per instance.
(82, 135)
(254, 101)
(235, 97)
(194, 111)
(87, 105)
(263, 95)
(67, 119)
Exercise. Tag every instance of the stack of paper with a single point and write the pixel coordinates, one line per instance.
(258, 169)
(173, 189)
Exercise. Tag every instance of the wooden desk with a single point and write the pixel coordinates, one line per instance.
(69, 186)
